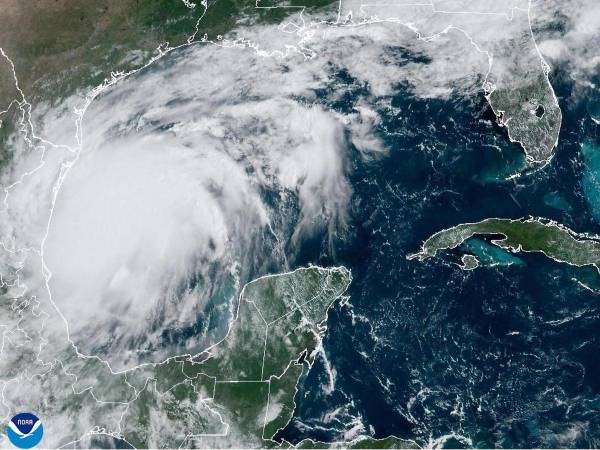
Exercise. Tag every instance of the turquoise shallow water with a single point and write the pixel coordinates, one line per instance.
(556, 200)
(488, 254)
(591, 176)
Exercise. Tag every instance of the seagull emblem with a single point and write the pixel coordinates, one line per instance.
(22, 435)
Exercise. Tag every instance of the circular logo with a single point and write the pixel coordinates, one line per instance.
(25, 430)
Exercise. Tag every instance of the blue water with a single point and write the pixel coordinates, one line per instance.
(505, 355)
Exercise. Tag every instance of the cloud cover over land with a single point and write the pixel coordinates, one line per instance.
(213, 164)
(206, 167)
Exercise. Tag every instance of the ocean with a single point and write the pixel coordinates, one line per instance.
(504, 355)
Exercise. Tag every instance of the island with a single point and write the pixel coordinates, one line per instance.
(518, 235)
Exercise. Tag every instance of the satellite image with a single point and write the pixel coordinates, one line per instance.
(300, 224)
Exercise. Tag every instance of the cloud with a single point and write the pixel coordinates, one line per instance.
(568, 33)
(167, 199)
(210, 166)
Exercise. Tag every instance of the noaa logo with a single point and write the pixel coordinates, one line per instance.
(25, 430)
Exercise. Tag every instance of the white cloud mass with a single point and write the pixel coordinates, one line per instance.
(568, 32)
(169, 189)
(206, 166)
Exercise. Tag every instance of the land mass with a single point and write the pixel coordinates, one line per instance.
(59, 47)
(63, 47)
(521, 235)
(531, 114)
(238, 393)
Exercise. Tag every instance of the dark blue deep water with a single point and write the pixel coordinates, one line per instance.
(505, 355)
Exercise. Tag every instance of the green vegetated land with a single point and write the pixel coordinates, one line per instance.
(62, 46)
(531, 114)
(362, 442)
(239, 392)
(530, 235)
(522, 97)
